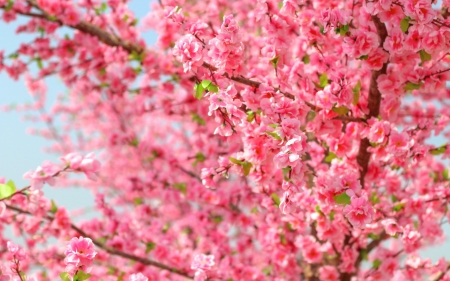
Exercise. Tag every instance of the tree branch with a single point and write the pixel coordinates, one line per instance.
(110, 250)
(374, 102)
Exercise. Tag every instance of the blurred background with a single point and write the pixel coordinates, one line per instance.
(21, 152)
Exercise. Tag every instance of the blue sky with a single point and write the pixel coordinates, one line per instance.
(21, 152)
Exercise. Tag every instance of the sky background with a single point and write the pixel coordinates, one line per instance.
(21, 152)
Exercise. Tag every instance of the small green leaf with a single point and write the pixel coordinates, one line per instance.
(274, 61)
(283, 240)
(394, 198)
(274, 135)
(197, 119)
(213, 88)
(399, 206)
(267, 270)
(411, 86)
(254, 210)
(276, 200)
(205, 84)
(217, 219)
(438, 150)
(343, 30)
(198, 91)
(332, 213)
(364, 57)
(306, 59)
(318, 210)
(137, 201)
(286, 171)
(134, 142)
(356, 92)
(13, 56)
(404, 24)
(247, 166)
(330, 157)
(416, 224)
(235, 161)
(166, 227)
(424, 56)
(342, 198)
(341, 110)
(376, 264)
(364, 255)
(149, 247)
(54, 208)
(273, 126)
(81, 276)
(8, 189)
(181, 187)
(64, 276)
(445, 174)
(39, 62)
(250, 116)
(374, 198)
(323, 80)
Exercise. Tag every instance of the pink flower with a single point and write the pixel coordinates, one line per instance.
(203, 262)
(365, 43)
(16, 251)
(189, 51)
(2, 208)
(90, 166)
(328, 273)
(42, 174)
(80, 253)
(391, 227)
(359, 212)
(377, 58)
(137, 277)
(433, 41)
(379, 131)
(394, 42)
(200, 275)
(419, 10)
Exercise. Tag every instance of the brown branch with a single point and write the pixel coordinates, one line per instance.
(113, 251)
(374, 102)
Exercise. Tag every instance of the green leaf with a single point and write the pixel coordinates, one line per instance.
(197, 119)
(81, 276)
(205, 84)
(134, 142)
(199, 158)
(438, 150)
(247, 166)
(273, 126)
(13, 56)
(137, 201)
(330, 157)
(274, 135)
(306, 59)
(54, 208)
(267, 270)
(394, 198)
(39, 62)
(217, 219)
(376, 264)
(364, 255)
(254, 210)
(404, 24)
(411, 86)
(341, 110)
(356, 92)
(8, 189)
(276, 200)
(286, 171)
(64, 276)
(166, 227)
(235, 161)
(283, 240)
(181, 187)
(374, 198)
(343, 30)
(323, 80)
(398, 207)
(198, 91)
(149, 247)
(342, 198)
(365, 57)
(274, 61)
(213, 88)
(332, 213)
(318, 210)
(445, 174)
(250, 116)
(424, 56)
